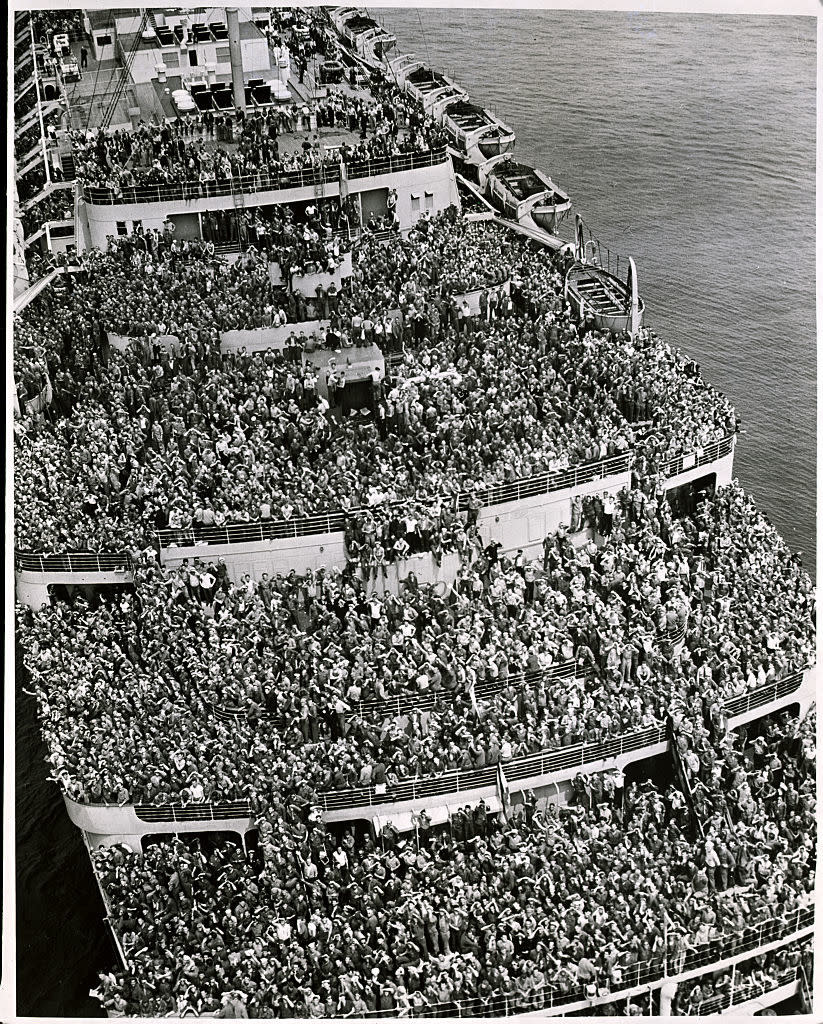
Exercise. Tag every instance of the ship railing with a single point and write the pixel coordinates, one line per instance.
(397, 163)
(701, 457)
(532, 766)
(542, 763)
(669, 967)
(210, 188)
(73, 561)
(494, 494)
(767, 694)
(260, 181)
(410, 703)
(744, 991)
(195, 811)
(332, 522)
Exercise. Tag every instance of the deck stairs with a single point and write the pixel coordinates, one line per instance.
(69, 170)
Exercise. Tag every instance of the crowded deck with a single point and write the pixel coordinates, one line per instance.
(306, 742)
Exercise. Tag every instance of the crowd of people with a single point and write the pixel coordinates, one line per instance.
(752, 978)
(185, 686)
(383, 534)
(463, 411)
(293, 659)
(206, 148)
(441, 256)
(490, 914)
(57, 205)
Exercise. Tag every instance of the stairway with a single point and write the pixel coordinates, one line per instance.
(69, 170)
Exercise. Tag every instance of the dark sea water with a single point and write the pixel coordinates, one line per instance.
(685, 141)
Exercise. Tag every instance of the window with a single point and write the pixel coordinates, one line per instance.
(415, 203)
(429, 200)
(223, 54)
(171, 59)
(121, 227)
(193, 58)
(137, 225)
(104, 40)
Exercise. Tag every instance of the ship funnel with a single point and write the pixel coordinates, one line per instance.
(238, 84)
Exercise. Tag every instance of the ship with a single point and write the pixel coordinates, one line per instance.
(479, 167)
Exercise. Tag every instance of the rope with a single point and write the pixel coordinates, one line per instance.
(94, 92)
(425, 37)
(120, 88)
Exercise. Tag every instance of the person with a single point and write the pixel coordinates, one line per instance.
(84, 57)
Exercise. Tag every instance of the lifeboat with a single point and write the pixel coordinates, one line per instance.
(614, 305)
(364, 35)
(523, 194)
(432, 90)
(399, 68)
(476, 134)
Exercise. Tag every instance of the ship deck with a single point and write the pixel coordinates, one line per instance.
(90, 95)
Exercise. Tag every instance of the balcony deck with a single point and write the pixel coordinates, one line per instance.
(530, 772)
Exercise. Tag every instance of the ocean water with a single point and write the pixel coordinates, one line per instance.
(685, 141)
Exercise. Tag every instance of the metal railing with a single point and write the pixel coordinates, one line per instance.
(409, 703)
(644, 973)
(73, 561)
(763, 695)
(204, 811)
(333, 521)
(703, 457)
(744, 991)
(261, 181)
(496, 494)
(531, 766)
(541, 763)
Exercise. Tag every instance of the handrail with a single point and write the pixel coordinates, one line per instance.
(72, 561)
(496, 494)
(543, 762)
(409, 703)
(702, 457)
(197, 811)
(669, 967)
(531, 766)
(743, 992)
(334, 521)
(261, 181)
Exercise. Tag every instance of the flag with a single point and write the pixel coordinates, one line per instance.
(634, 299)
(579, 245)
(503, 789)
